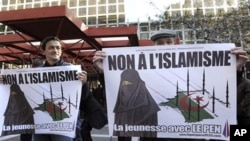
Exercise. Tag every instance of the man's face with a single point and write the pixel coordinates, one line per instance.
(53, 50)
(164, 41)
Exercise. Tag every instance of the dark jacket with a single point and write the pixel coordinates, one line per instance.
(243, 100)
(92, 110)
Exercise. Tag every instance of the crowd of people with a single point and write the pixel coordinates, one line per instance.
(94, 114)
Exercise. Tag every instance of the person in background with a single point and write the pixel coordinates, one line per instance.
(37, 63)
(169, 37)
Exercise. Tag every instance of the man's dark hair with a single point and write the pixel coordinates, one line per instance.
(47, 39)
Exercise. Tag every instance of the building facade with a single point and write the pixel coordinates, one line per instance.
(96, 13)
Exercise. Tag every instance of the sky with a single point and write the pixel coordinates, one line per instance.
(140, 10)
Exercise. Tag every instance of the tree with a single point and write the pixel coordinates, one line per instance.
(227, 27)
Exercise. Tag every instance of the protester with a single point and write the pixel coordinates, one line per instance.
(52, 49)
(167, 37)
(243, 99)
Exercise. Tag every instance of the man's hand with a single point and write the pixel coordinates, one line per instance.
(82, 76)
(98, 59)
(241, 56)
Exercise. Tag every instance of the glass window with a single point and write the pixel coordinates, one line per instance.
(12, 1)
(83, 19)
(208, 3)
(45, 3)
(92, 21)
(92, 10)
(20, 7)
(121, 1)
(112, 19)
(37, 5)
(121, 18)
(102, 1)
(111, 1)
(144, 28)
(175, 6)
(187, 12)
(219, 2)
(54, 3)
(28, 6)
(187, 4)
(144, 35)
(82, 11)
(102, 20)
(92, 2)
(112, 8)
(12, 7)
(197, 3)
(102, 10)
(2, 28)
(121, 8)
(72, 3)
(4, 2)
(82, 2)
(28, 0)
(64, 2)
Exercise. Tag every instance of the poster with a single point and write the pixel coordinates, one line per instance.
(178, 91)
(40, 100)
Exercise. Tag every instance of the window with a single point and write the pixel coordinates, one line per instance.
(82, 11)
(112, 8)
(187, 4)
(92, 10)
(102, 10)
(111, 1)
(92, 2)
(102, 20)
(144, 28)
(12, 1)
(102, 1)
(121, 8)
(219, 2)
(208, 3)
(197, 3)
(121, 18)
(92, 21)
(82, 2)
(144, 35)
(112, 18)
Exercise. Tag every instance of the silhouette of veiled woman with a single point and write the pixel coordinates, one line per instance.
(134, 105)
(18, 111)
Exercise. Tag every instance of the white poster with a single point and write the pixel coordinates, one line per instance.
(40, 100)
(179, 91)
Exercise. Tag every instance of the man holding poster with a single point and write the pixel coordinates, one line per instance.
(49, 93)
(182, 81)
